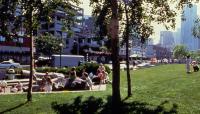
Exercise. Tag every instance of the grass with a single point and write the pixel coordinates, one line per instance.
(160, 89)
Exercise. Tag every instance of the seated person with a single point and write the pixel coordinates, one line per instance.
(83, 72)
(102, 77)
(96, 78)
(48, 85)
(17, 87)
(78, 84)
(3, 85)
(88, 81)
(101, 68)
(42, 83)
(195, 66)
(13, 89)
(107, 80)
(72, 74)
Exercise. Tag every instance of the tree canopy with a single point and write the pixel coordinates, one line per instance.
(16, 13)
(48, 44)
(180, 51)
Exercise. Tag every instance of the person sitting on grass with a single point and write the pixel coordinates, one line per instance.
(106, 77)
(83, 73)
(3, 85)
(48, 85)
(88, 81)
(195, 66)
(72, 75)
(17, 87)
(101, 68)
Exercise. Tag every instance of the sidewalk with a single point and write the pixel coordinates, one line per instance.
(94, 88)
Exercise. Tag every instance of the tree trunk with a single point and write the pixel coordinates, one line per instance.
(127, 52)
(29, 94)
(113, 31)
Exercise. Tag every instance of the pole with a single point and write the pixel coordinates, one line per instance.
(60, 58)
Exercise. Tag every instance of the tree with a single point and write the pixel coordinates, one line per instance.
(110, 7)
(31, 13)
(48, 44)
(180, 51)
(139, 14)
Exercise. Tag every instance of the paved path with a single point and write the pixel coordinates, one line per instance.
(94, 88)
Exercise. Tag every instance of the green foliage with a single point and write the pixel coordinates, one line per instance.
(47, 44)
(141, 15)
(32, 12)
(195, 55)
(92, 67)
(180, 51)
(53, 69)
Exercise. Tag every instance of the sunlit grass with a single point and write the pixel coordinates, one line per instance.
(165, 83)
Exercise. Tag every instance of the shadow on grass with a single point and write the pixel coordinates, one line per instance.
(94, 105)
(10, 109)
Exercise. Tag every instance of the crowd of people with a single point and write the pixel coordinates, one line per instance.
(85, 80)
(73, 81)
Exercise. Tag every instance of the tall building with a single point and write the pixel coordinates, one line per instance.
(167, 39)
(177, 37)
(187, 23)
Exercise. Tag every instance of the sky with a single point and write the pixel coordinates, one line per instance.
(87, 8)
(157, 28)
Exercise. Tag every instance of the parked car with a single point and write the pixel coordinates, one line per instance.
(9, 64)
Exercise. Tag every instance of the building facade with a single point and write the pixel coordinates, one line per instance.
(187, 23)
(167, 39)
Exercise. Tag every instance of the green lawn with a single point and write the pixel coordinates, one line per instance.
(160, 89)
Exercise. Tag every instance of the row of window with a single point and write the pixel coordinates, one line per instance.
(20, 40)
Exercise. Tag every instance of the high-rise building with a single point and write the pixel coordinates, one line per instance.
(177, 37)
(167, 39)
(187, 23)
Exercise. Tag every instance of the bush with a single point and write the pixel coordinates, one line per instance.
(90, 67)
(53, 69)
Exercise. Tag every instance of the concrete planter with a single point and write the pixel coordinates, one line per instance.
(11, 76)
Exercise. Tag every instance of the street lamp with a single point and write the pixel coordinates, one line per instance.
(61, 45)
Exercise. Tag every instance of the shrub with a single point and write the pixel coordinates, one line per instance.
(53, 69)
(92, 67)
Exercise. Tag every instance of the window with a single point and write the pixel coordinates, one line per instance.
(67, 41)
(2, 39)
(20, 40)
